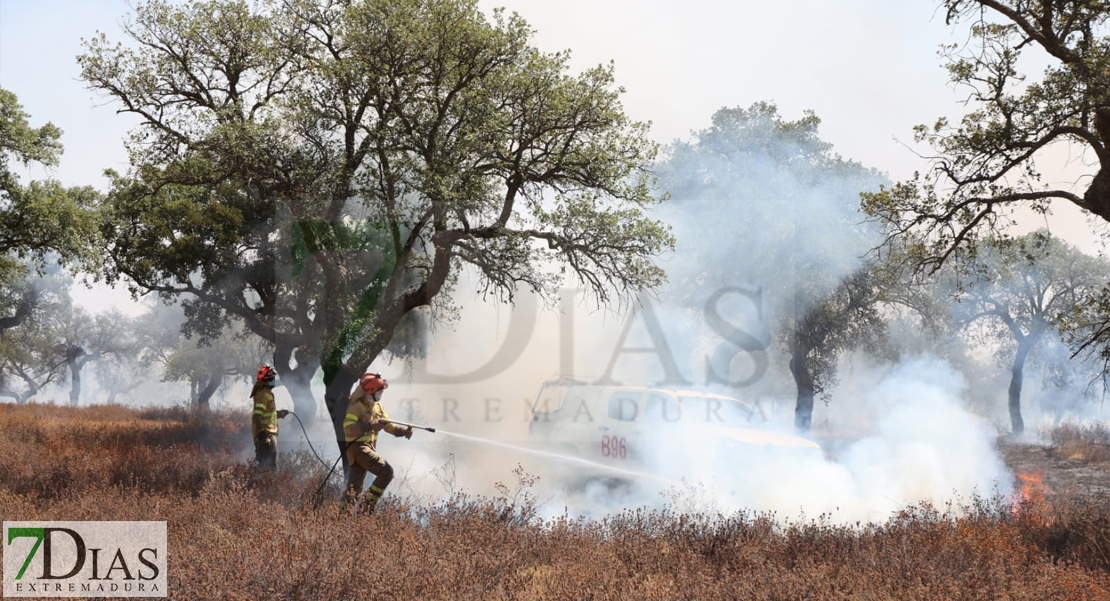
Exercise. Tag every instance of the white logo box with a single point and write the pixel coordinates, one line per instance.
(84, 559)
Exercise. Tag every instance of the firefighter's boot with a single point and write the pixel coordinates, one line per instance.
(371, 498)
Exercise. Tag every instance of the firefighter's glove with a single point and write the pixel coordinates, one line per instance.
(374, 425)
(282, 413)
(406, 433)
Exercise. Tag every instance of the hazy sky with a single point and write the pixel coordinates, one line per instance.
(868, 68)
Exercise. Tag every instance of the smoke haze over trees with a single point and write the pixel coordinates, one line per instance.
(318, 185)
(762, 203)
(1025, 289)
(985, 168)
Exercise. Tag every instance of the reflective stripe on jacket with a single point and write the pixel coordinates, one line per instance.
(361, 409)
(264, 416)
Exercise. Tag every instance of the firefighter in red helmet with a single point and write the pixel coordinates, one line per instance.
(264, 429)
(360, 427)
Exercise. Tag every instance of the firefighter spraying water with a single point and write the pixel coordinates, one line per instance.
(624, 412)
(365, 418)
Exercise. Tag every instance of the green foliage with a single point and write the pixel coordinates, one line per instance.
(42, 219)
(427, 115)
(23, 142)
(1027, 286)
(40, 223)
(1008, 289)
(231, 355)
(30, 354)
(157, 341)
(984, 167)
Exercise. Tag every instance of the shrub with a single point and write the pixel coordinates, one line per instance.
(236, 532)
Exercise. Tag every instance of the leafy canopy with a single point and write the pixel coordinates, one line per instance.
(444, 130)
(41, 219)
(985, 166)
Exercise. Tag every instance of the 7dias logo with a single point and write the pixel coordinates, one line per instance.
(84, 559)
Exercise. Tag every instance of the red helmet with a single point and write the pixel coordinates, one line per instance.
(372, 383)
(266, 373)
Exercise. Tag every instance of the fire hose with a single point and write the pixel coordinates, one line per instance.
(344, 452)
(322, 462)
(404, 425)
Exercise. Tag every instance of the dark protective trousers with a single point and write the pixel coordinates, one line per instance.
(363, 458)
(265, 450)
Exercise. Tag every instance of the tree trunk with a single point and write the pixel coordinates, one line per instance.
(335, 397)
(75, 387)
(803, 411)
(20, 398)
(299, 385)
(1097, 196)
(32, 390)
(72, 354)
(298, 381)
(1024, 346)
(205, 394)
(341, 375)
(21, 313)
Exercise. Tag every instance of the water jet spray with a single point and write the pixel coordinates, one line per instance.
(561, 457)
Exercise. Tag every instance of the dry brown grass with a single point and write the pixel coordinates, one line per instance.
(1088, 442)
(238, 534)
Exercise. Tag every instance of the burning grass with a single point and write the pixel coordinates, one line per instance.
(239, 534)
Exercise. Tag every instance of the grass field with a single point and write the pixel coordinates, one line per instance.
(238, 534)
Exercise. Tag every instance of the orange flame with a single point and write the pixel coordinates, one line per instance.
(1032, 494)
(1032, 488)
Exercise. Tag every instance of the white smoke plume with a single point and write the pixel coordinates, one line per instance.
(894, 433)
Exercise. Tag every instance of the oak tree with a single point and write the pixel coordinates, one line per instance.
(377, 145)
(762, 202)
(1022, 290)
(985, 166)
(40, 222)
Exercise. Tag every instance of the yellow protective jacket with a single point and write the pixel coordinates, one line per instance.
(360, 410)
(264, 418)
